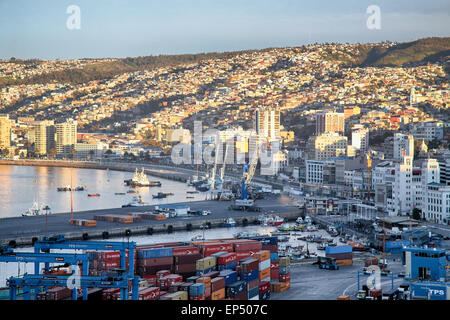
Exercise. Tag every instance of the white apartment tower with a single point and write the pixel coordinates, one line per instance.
(403, 143)
(66, 137)
(267, 124)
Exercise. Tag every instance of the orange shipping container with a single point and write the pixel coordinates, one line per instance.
(343, 298)
(218, 295)
(264, 274)
(344, 263)
(262, 255)
(205, 280)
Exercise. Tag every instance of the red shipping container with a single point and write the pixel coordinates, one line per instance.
(152, 293)
(284, 277)
(184, 268)
(241, 296)
(248, 246)
(200, 297)
(155, 262)
(187, 259)
(264, 286)
(151, 279)
(270, 247)
(185, 250)
(108, 294)
(170, 279)
(249, 265)
(227, 258)
(243, 255)
(274, 264)
(274, 273)
(217, 284)
(211, 248)
(162, 273)
(162, 293)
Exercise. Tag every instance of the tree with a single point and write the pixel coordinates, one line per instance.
(416, 214)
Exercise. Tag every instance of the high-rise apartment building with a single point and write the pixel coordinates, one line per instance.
(267, 124)
(327, 145)
(403, 142)
(44, 137)
(360, 140)
(66, 137)
(5, 131)
(330, 122)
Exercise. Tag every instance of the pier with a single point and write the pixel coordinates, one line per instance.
(24, 231)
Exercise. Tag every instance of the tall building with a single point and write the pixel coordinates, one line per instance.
(5, 131)
(66, 137)
(444, 164)
(403, 142)
(360, 140)
(430, 173)
(402, 198)
(437, 203)
(44, 136)
(267, 124)
(327, 145)
(329, 122)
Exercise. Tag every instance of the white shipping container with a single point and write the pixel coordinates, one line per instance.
(263, 265)
(255, 297)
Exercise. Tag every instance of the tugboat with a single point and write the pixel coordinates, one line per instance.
(229, 222)
(140, 180)
(93, 195)
(35, 210)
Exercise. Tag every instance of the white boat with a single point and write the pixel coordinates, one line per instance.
(270, 220)
(140, 179)
(229, 222)
(136, 202)
(299, 220)
(286, 227)
(35, 210)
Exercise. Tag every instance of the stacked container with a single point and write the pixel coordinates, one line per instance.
(151, 293)
(154, 259)
(264, 265)
(207, 283)
(185, 264)
(230, 276)
(218, 288)
(342, 254)
(197, 291)
(227, 261)
(166, 281)
(237, 290)
(205, 265)
(264, 290)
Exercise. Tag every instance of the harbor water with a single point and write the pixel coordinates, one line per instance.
(22, 186)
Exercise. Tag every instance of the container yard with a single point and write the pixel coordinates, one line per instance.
(223, 269)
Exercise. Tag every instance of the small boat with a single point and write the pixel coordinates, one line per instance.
(321, 246)
(160, 195)
(192, 192)
(35, 210)
(229, 222)
(136, 202)
(190, 197)
(93, 195)
(69, 188)
(140, 179)
(119, 193)
(286, 227)
(198, 237)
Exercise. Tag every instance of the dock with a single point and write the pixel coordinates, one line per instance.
(24, 231)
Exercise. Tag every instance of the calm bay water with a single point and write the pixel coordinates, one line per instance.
(21, 186)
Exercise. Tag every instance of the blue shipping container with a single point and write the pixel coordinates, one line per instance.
(338, 249)
(432, 291)
(250, 276)
(229, 266)
(202, 272)
(273, 256)
(253, 292)
(197, 289)
(218, 254)
(229, 275)
(155, 253)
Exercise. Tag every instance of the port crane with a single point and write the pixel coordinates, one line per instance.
(116, 278)
(244, 203)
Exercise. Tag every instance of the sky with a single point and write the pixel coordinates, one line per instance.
(117, 28)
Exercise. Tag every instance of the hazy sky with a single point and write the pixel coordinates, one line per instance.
(115, 28)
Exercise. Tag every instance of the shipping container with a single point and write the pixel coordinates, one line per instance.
(262, 255)
(274, 273)
(271, 248)
(274, 264)
(338, 249)
(150, 262)
(284, 261)
(227, 258)
(149, 293)
(252, 284)
(229, 275)
(264, 264)
(197, 289)
(187, 259)
(229, 266)
(185, 251)
(180, 295)
(154, 253)
(184, 268)
(185, 286)
(205, 280)
(265, 240)
(192, 279)
(241, 296)
(264, 286)
(250, 276)
(235, 288)
(205, 263)
(340, 256)
(344, 263)
(218, 294)
(249, 265)
(263, 274)
(253, 293)
(283, 270)
(285, 277)
(217, 283)
(247, 246)
(264, 295)
(212, 274)
(274, 256)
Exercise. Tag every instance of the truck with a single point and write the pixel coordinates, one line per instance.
(327, 263)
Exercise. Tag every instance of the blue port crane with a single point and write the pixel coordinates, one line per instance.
(116, 281)
(120, 278)
(8, 255)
